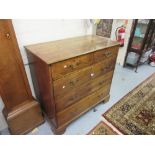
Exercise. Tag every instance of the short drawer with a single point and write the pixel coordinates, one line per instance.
(105, 54)
(82, 106)
(65, 67)
(78, 93)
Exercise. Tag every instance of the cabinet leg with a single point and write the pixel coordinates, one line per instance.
(59, 131)
(106, 99)
(136, 70)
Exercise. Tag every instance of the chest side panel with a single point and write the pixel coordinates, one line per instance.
(43, 86)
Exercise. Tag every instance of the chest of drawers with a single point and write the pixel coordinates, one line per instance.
(71, 76)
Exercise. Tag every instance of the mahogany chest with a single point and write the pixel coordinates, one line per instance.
(71, 76)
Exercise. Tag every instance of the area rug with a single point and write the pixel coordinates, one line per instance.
(134, 114)
(102, 129)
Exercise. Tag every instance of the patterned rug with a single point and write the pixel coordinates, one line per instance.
(102, 129)
(134, 114)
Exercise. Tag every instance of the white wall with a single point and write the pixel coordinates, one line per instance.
(3, 124)
(122, 50)
(34, 31)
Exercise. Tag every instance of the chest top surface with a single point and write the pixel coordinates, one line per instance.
(55, 51)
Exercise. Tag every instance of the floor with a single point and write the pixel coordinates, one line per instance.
(124, 80)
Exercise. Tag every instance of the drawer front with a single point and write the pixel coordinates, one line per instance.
(104, 54)
(65, 67)
(68, 83)
(103, 67)
(78, 93)
(82, 106)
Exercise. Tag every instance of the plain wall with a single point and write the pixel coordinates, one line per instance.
(35, 31)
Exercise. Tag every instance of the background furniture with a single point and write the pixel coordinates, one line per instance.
(141, 39)
(71, 76)
(21, 111)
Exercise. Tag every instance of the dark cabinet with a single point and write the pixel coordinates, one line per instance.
(141, 40)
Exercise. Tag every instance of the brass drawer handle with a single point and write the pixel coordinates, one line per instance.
(101, 82)
(108, 54)
(73, 82)
(99, 96)
(69, 66)
(73, 66)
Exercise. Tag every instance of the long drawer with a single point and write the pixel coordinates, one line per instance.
(82, 106)
(79, 92)
(68, 83)
(103, 67)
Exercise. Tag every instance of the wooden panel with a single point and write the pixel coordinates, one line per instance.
(103, 67)
(71, 76)
(71, 81)
(41, 78)
(79, 92)
(67, 83)
(14, 87)
(13, 80)
(65, 67)
(25, 118)
(83, 105)
(104, 54)
(56, 51)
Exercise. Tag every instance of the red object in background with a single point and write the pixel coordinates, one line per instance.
(152, 57)
(120, 35)
(136, 46)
